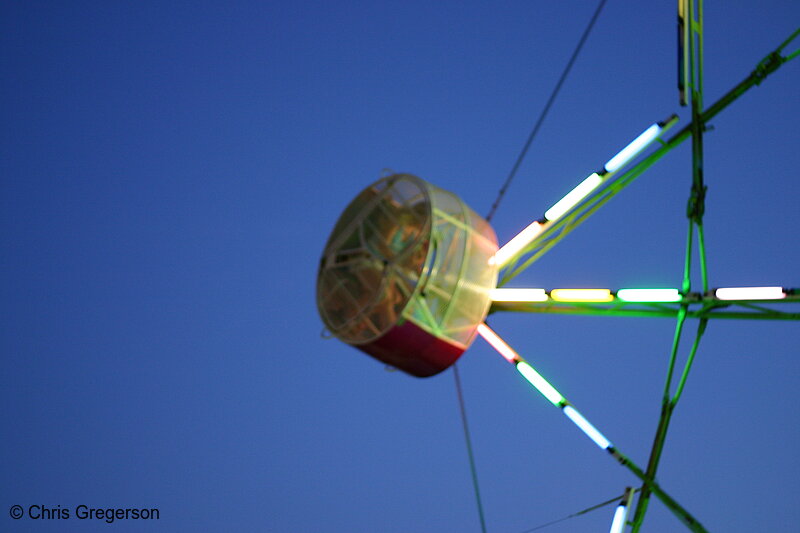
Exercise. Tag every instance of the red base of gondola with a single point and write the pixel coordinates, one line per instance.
(413, 350)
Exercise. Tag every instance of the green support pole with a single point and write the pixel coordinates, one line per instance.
(560, 401)
(559, 230)
(683, 515)
(694, 212)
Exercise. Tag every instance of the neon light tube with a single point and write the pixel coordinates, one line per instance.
(518, 295)
(637, 145)
(574, 197)
(512, 247)
(498, 344)
(649, 295)
(581, 295)
(620, 516)
(750, 293)
(541, 384)
(586, 427)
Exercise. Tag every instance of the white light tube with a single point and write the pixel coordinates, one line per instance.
(518, 295)
(586, 427)
(574, 197)
(649, 295)
(620, 516)
(637, 145)
(510, 249)
(750, 293)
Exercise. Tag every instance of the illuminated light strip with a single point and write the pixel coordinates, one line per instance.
(750, 293)
(649, 295)
(504, 255)
(510, 249)
(574, 197)
(518, 295)
(498, 344)
(527, 371)
(586, 427)
(581, 295)
(541, 384)
(637, 145)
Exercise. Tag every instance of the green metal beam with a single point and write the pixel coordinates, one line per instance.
(644, 313)
(558, 400)
(709, 307)
(696, 305)
(683, 515)
(694, 212)
(560, 229)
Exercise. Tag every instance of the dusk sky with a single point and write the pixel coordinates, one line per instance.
(170, 173)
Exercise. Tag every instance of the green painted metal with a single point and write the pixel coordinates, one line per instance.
(683, 515)
(709, 306)
(676, 339)
(564, 226)
(558, 400)
(696, 305)
(694, 212)
(701, 247)
(786, 42)
(701, 328)
(582, 310)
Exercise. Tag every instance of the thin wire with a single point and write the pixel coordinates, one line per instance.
(544, 112)
(492, 211)
(468, 439)
(579, 513)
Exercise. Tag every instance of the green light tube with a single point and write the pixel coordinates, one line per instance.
(649, 295)
(518, 295)
(541, 384)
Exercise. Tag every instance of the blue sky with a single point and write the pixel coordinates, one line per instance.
(170, 173)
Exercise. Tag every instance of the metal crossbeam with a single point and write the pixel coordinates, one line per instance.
(557, 231)
(698, 305)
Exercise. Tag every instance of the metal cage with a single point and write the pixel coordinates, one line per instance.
(405, 275)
